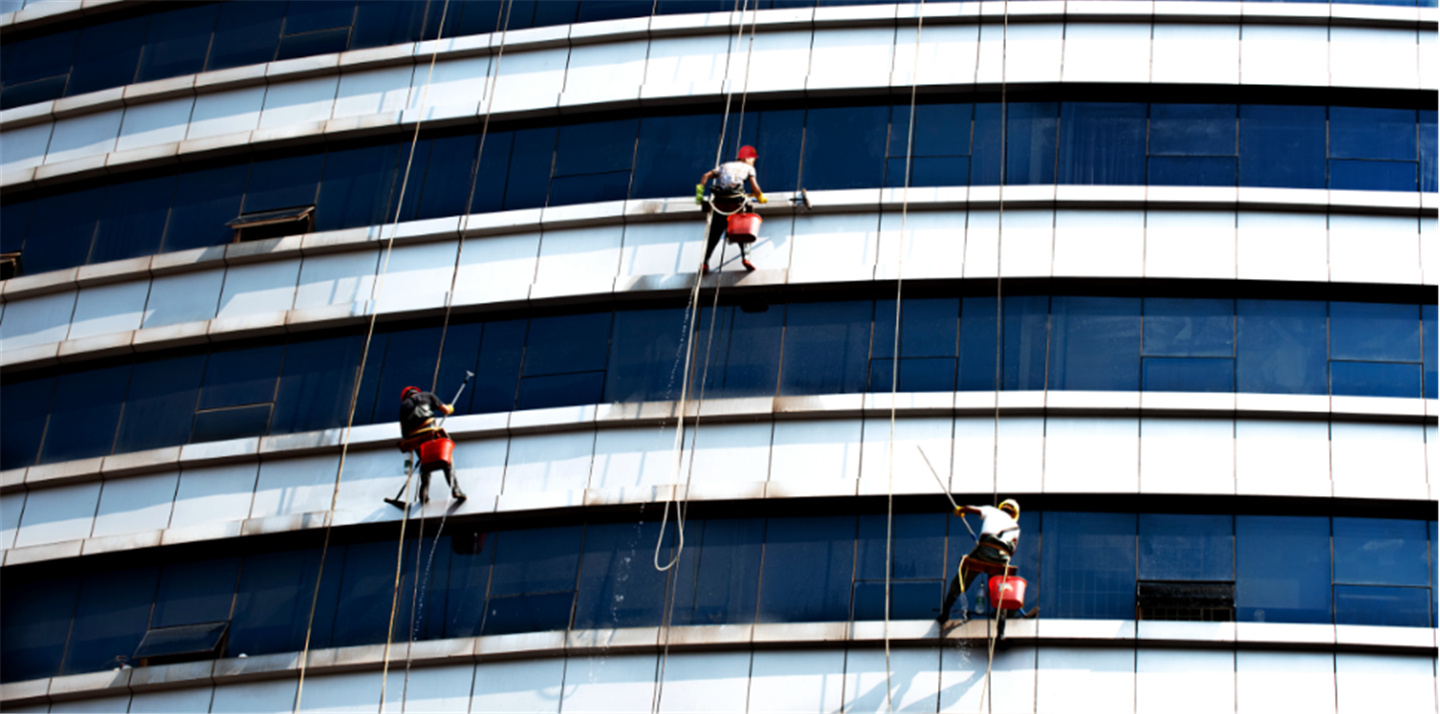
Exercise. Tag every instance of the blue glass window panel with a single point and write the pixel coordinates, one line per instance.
(231, 423)
(1375, 379)
(24, 409)
(409, 360)
(1191, 170)
(489, 192)
(367, 589)
(672, 152)
(316, 382)
(283, 182)
(826, 344)
(521, 14)
(929, 171)
(589, 188)
(14, 221)
(242, 376)
(1189, 327)
(568, 343)
(619, 586)
(1096, 343)
(307, 16)
(1102, 143)
(1280, 346)
(684, 7)
(549, 13)
(909, 600)
(527, 613)
(807, 569)
(40, 90)
(536, 561)
(1364, 175)
(718, 581)
(470, 554)
(110, 618)
(1282, 569)
(389, 22)
(1372, 133)
(246, 33)
(460, 354)
(530, 161)
(560, 390)
(1187, 374)
(35, 625)
(1186, 547)
(161, 403)
(844, 147)
(177, 42)
(133, 219)
(195, 592)
(356, 187)
(1030, 138)
(940, 130)
(977, 344)
(39, 57)
(1282, 146)
(312, 43)
(477, 17)
(1430, 340)
(917, 374)
(1025, 327)
(596, 147)
(429, 620)
(1380, 551)
(777, 138)
(85, 414)
(272, 602)
(1374, 331)
(594, 10)
(917, 546)
(1389, 607)
(1428, 140)
(107, 55)
(204, 201)
(1088, 565)
(63, 236)
(646, 355)
(744, 358)
(502, 347)
(445, 189)
(929, 327)
(1192, 129)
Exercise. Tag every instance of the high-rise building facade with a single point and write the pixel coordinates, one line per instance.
(1164, 272)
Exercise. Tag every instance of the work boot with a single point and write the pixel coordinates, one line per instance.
(456, 493)
(749, 266)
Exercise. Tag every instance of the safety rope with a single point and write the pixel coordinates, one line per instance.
(375, 291)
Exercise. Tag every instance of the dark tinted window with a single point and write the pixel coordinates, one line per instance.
(316, 382)
(845, 147)
(246, 33)
(1102, 143)
(743, 358)
(1096, 343)
(808, 564)
(204, 201)
(85, 414)
(283, 182)
(110, 618)
(133, 219)
(1088, 565)
(1186, 547)
(672, 153)
(1282, 569)
(825, 348)
(65, 229)
(1375, 332)
(161, 404)
(1377, 551)
(718, 581)
(1282, 146)
(619, 585)
(107, 55)
(532, 586)
(34, 626)
(1280, 346)
(195, 592)
(25, 409)
(356, 188)
(1192, 129)
(646, 356)
(272, 604)
(177, 42)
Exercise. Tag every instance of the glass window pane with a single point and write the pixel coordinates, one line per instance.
(1025, 331)
(1187, 327)
(1372, 133)
(446, 187)
(555, 12)
(1380, 551)
(239, 377)
(14, 221)
(940, 130)
(1191, 170)
(1282, 569)
(845, 147)
(307, 16)
(502, 347)
(481, 16)
(110, 619)
(246, 33)
(231, 423)
(107, 55)
(917, 547)
(568, 343)
(461, 352)
(204, 201)
(40, 90)
(196, 592)
(85, 414)
(619, 585)
(43, 56)
(560, 390)
(283, 182)
(490, 177)
(24, 410)
(1374, 331)
(593, 10)
(161, 404)
(1365, 175)
(719, 578)
(825, 347)
(356, 187)
(1375, 379)
(1192, 129)
(1096, 343)
(177, 42)
(390, 22)
(928, 327)
(1186, 547)
(1102, 143)
(1031, 141)
(1282, 146)
(310, 44)
(408, 360)
(646, 355)
(272, 604)
(133, 219)
(530, 163)
(1280, 346)
(672, 153)
(596, 147)
(807, 569)
(1187, 374)
(776, 136)
(589, 188)
(1389, 607)
(532, 586)
(34, 626)
(744, 358)
(315, 384)
(367, 589)
(928, 171)
(1431, 339)
(977, 344)
(917, 374)
(1088, 565)
(1428, 141)
(65, 228)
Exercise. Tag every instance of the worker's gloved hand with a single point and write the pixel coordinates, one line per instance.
(958, 512)
(699, 193)
(760, 198)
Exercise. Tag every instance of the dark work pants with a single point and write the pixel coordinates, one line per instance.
(718, 223)
(963, 578)
(445, 468)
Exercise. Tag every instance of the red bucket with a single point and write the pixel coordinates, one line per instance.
(436, 451)
(1014, 596)
(742, 227)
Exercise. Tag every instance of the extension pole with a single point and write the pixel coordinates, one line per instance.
(945, 490)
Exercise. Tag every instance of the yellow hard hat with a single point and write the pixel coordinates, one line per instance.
(1012, 506)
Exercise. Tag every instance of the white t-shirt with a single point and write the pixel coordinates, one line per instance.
(998, 524)
(733, 174)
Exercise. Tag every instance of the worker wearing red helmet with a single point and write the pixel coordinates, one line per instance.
(727, 188)
(419, 413)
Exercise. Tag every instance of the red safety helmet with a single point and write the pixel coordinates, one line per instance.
(747, 152)
(406, 392)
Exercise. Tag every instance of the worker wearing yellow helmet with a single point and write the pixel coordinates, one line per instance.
(999, 535)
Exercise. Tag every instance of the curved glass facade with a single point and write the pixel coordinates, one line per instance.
(822, 568)
(158, 42)
(554, 163)
(1059, 342)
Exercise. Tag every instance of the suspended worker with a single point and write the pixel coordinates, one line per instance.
(999, 534)
(727, 195)
(419, 414)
